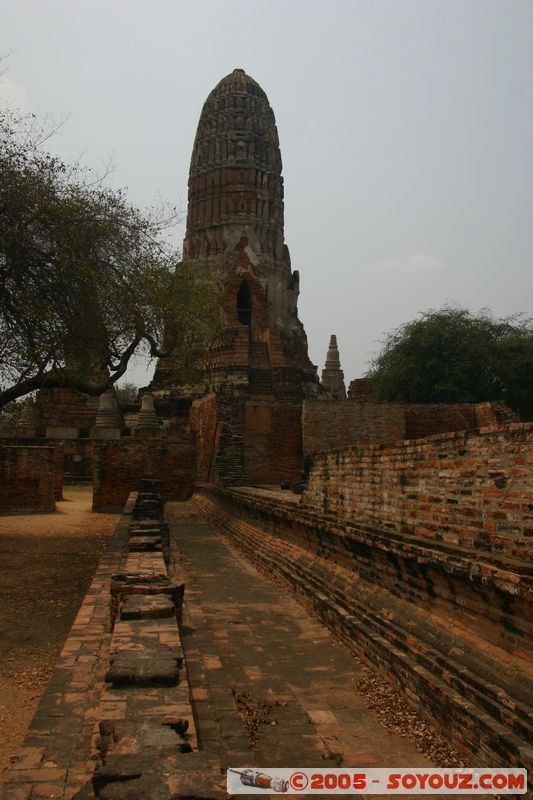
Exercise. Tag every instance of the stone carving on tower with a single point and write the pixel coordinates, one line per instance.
(235, 237)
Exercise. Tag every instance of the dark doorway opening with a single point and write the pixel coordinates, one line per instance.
(244, 304)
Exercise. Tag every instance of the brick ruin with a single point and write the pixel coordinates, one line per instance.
(257, 408)
(235, 236)
(411, 541)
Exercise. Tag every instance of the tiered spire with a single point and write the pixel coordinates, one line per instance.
(332, 374)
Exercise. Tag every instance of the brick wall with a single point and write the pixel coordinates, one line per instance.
(247, 441)
(449, 625)
(272, 441)
(26, 479)
(361, 389)
(336, 423)
(119, 465)
(66, 408)
(59, 457)
(204, 422)
(423, 419)
(471, 490)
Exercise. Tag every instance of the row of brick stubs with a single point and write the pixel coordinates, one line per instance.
(398, 603)
(115, 720)
(147, 745)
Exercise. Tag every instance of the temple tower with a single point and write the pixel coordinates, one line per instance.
(235, 238)
(332, 374)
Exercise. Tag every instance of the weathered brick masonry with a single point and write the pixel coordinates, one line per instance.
(117, 712)
(332, 423)
(472, 490)
(272, 441)
(166, 455)
(446, 613)
(27, 479)
(329, 424)
(424, 419)
(64, 408)
(253, 441)
(59, 457)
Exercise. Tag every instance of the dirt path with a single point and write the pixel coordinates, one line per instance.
(46, 565)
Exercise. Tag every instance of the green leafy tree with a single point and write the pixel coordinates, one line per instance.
(451, 355)
(86, 279)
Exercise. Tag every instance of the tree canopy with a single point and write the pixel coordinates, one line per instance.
(86, 279)
(451, 355)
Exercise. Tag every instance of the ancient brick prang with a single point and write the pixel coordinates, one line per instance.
(235, 238)
(235, 174)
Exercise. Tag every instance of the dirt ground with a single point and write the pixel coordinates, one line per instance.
(46, 565)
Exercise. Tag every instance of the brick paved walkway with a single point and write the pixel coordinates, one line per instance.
(245, 634)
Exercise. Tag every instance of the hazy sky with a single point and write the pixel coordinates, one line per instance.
(406, 130)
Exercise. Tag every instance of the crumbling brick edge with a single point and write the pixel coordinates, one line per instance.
(455, 679)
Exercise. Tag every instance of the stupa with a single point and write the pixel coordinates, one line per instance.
(235, 238)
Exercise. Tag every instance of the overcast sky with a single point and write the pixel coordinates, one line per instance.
(406, 131)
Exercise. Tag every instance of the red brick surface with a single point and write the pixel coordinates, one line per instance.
(26, 479)
(471, 490)
(59, 457)
(247, 441)
(424, 419)
(449, 626)
(330, 424)
(204, 419)
(64, 407)
(119, 464)
(272, 441)
(336, 423)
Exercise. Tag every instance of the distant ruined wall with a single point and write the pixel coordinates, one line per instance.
(118, 465)
(424, 419)
(64, 408)
(328, 424)
(26, 479)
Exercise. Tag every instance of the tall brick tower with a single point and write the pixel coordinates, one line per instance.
(235, 237)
